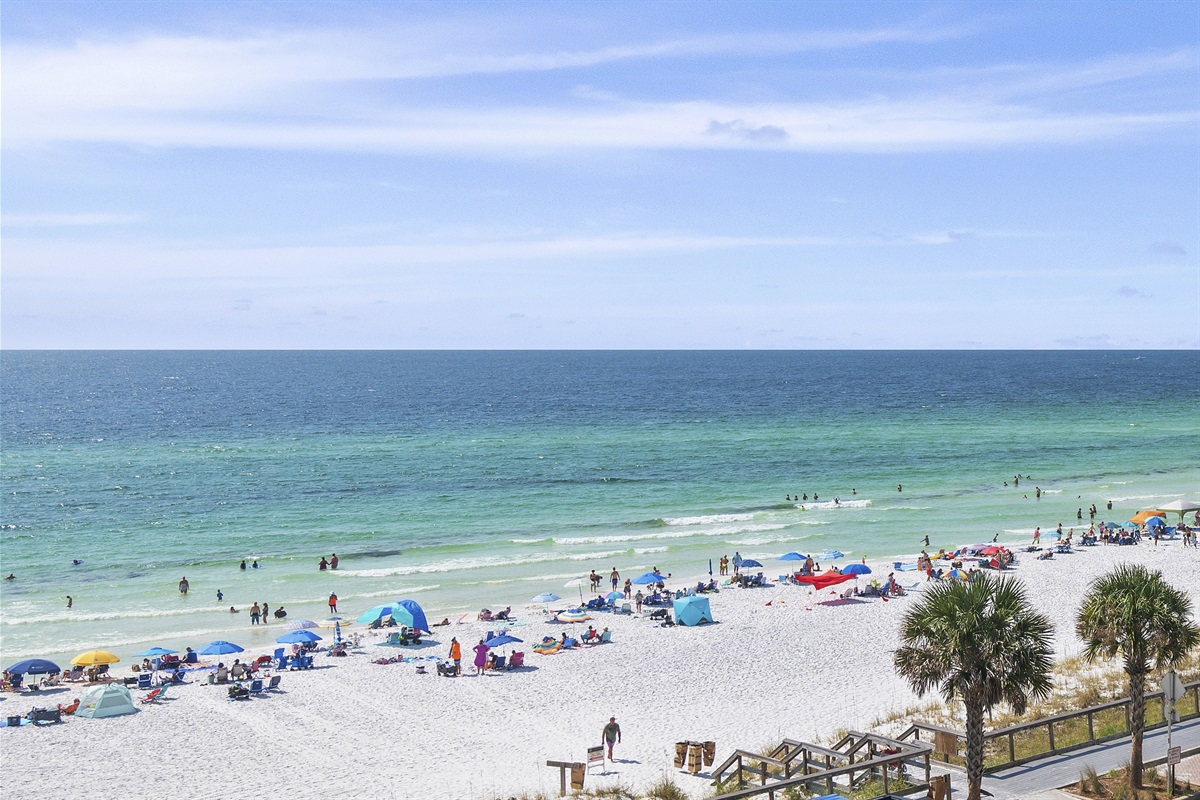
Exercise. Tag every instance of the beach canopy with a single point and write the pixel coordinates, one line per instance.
(34, 666)
(1180, 507)
(1140, 517)
(105, 700)
(831, 555)
(155, 652)
(825, 579)
(220, 648)
(410, 613)
(545, 597)
(298, 637)
(792, 556)
(750, 562)
(650, 577)
(299, 625)
(692, 611)
(94, 658)
(856, 569)
(501, 639)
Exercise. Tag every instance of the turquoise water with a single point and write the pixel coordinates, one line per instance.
(465, 479)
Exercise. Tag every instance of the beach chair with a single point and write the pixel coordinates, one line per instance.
(605, 637)
(499, 663)
(144, 681)
(156, 695)
(256, 686)
(282, 663)
(517, 660)
(278, 653)
(273, 684)
(75, 675)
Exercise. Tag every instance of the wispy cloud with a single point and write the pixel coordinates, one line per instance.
(336, 91)
(66, 220)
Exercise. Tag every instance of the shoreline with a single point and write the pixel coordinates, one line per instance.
(801, 670)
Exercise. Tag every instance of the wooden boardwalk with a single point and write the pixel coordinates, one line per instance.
(1052, 772)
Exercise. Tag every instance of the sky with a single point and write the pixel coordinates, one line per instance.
(583, 175)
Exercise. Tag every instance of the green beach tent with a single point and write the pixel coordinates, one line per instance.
(106, 700)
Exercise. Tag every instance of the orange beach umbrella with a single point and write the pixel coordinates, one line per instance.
(1141, 517)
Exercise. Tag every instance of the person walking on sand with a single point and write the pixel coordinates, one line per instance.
(481, 651)
(332, 603)
(611, 735)
(1037, 535)
(456, 655)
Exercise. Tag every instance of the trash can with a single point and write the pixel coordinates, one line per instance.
(710, 753)
(577, 773)
(939, 788)
(680, 754)
(695, 757)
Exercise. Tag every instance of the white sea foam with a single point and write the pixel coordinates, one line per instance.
(483, 562)
(707, 519)
(825, 505)
(646, 550)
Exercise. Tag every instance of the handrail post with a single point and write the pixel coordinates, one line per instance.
(1012, 749)
(1050, 728)
(1091, 728)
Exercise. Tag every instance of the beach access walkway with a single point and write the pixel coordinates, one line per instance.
(1054, 771)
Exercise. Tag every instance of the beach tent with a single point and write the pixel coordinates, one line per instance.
(1180, 507)
(107, 700)
(407, 612)
(692, 611)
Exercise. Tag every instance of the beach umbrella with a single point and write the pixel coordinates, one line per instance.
(975, 548)
(34, 666)
(856, 569)
(298, 637)
(545, 597)
(750, 563)
(220, 648)
(957, 574)
(990, 550)
(334, 622)
(94, 658)
(614, 596)
(299, 625)
(572, 615)
(1155, 522)
(408, 612)
(649, 577)
(501, 639)
(155, 652)
(831, 555)
(1142, 516)
(792, 556)
(576, 584)
(377, 612)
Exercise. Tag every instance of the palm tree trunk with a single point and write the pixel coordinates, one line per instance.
(1137, 726)
(974, 710)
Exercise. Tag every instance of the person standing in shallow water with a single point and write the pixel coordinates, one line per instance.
(333, 561)
(332, 603)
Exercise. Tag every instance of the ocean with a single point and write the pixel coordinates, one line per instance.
(471, 479)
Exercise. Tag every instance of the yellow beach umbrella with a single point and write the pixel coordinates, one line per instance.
(93, 658)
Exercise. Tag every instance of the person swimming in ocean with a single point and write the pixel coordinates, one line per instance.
(243, 566)
(220, 596)
(184, 585)
(75, 562)
(10, 577)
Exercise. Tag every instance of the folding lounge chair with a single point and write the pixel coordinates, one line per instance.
(143, 681)
(156, 694)
(499, 663)
(517, 660)
(256, 686)
(273, 684)
(605, 637)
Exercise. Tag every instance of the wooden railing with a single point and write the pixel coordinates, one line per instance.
(1004, 742)
(857, 756)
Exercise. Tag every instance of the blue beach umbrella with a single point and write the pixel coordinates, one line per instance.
(792, 556)
(407, 612)
(856, 569)
(377, 612)
(613, 596)
(831, 555)
(750, 563)
(649, 577)
(501, 639)
(34, 666)
(221, 648)
(1154, 522)
(155, 652)
(298, 637)
(545, 597)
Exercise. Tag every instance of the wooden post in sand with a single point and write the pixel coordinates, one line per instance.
(563, 766)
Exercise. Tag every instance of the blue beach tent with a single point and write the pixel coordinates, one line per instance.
(692, 611)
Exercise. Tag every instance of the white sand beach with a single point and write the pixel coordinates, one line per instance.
(351, 728)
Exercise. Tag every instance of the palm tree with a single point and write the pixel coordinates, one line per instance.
(1133, 613)
(980, 642)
